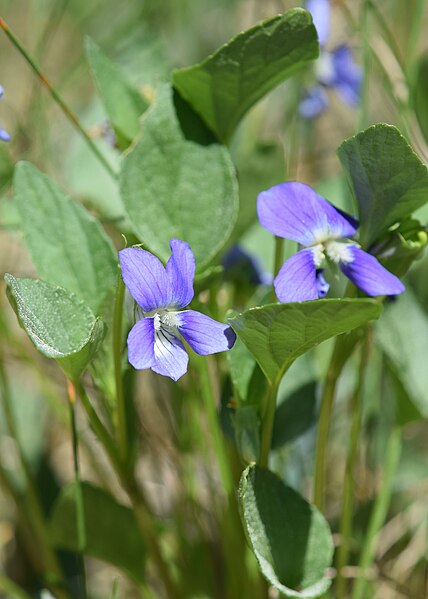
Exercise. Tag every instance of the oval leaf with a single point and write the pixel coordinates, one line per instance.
(59, 324)
(175, 188)
(290, 538)
(277, 334)
(106, 522)
(387, 178)
(67, 245)
(228, 83)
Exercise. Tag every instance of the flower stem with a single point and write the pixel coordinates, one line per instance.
(267, 425)
(80, 509)
(348, 491)
(58, 99)
(278, 260)
(121, 420)
(379, 512)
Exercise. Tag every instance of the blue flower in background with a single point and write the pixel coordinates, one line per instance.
(242, 267)
(294, 211)
(4, 136)
(336, 70)
(161, 292)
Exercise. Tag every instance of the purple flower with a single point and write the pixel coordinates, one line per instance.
(336, 70)
(294, 211)
(4, 136)
(161, 292)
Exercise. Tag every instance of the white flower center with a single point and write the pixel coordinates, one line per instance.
(166, 320)
(318, 253)
(339, 252)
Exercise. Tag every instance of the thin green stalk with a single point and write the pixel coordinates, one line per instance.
(379, 512)
(80, 508)
(121, 420)
(11, 589)
(364, 102)
(57, 98)
(278, 260)
(267, 425)
(349, 484)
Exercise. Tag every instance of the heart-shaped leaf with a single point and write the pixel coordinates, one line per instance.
(67, 245)
(175, 188)
(106, 522)
(290, 538)
(59, 324)
(123, 104)
(388, 179)
(277, 334)
(228, 83)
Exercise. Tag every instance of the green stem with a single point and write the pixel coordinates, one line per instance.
(379, 511)
(267, 425)
(364, 102)
(349, 485)
(278, 260)
(11, 589)
(80, 508)
(121, 420)
(342, 350)
(57, 98)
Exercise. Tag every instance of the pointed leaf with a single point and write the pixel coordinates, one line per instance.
(67, 245)
(224, 86)
(277, 334)
(59, 324)
(175, 188)
(290, 538)
(122, 102)
(388, 179)
(112, 534)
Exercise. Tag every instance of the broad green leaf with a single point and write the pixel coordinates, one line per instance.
(388, 179)
(122, 102)
(224, 86)
(67, 245)
(421, 95)
(295, 415)
(402, 333)
(290, 538)
(277, 334)
(112, 533)
(241, 366)
(175, 188)
(59, 324)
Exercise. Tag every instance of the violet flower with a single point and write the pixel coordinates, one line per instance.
(294, 211)
(4, 136)
(161, 292)
(336, 69)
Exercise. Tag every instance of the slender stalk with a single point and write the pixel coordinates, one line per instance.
(364, 103)
(379, 512)
(57, 98)
(80, 509)
(121, 420)
(267, 425)
(278, 260)
(11, 589)
(349, 485)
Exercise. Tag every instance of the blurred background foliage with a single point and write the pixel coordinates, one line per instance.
(147, 39)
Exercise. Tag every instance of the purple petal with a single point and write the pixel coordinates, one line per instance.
(146, 278)
(205, 335)
(180, 270)
(171, 358)
(369, 275)
(294, 211)
(313, 103)
(1, 92)
(297, 280)
(141, 341)
(322, 285)
(320, 11)
(348, 75)
(4, 135)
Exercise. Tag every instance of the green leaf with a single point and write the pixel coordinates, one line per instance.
(402, 333)
(122, 102)
(277, 334)
(112, 534)
(175, 188)
(295, 415)
(290, 538)
(388, 179)
(67, 245)
(59, 324)
(421, 95)
(224, 86)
